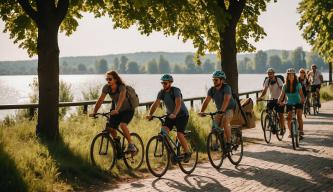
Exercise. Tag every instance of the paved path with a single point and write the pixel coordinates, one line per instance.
(273, 167)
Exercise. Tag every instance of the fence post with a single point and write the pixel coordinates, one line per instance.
(247, 95)
(85, 109)
(31, 112)
(191, 103)
(257, 95)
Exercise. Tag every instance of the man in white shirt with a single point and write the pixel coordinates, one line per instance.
(316, 79)
(274, 84)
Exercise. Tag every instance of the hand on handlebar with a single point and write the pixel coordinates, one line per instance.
(149, 117)
(92, 115)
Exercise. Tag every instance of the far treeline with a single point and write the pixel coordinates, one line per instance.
(178, 63)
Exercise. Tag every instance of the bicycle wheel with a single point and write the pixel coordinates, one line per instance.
(215, 149)
(293, 133)
(189, 166)
(134, 160)
(279, 133)
(268, 129)
(157, 156)
(262, 119)
(102, 151)
(236, 154)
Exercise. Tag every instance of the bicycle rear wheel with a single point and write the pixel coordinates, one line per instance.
(268, 129)
(236, 154)
(215, 149)
(293, 133)
(102, 151)
(157, 156)
(189, 166)
(134, 160)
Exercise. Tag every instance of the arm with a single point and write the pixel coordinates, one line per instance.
(281, 97)
(226, 101)
(154, 106)
(321, 78)
(98, 103)
(178, 104)
(122, 96)
(301, 94)
(205, 104)
(263, 93)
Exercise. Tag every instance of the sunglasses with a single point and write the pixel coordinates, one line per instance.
(270, 73)
(164, 83)
(108, 79)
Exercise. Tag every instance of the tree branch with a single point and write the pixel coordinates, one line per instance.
(62, 9)
(28, 9)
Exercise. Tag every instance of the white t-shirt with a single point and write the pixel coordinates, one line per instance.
(315, 77)
(275, 89)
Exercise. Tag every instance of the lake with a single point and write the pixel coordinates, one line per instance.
(16, 90)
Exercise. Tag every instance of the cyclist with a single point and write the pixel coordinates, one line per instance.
(177, 112)
(121, 112)
(316, 79)
(222, 96)
(274, 84)
(293, 90)
(304, 81)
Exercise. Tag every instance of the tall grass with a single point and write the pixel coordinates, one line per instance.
(326, 93)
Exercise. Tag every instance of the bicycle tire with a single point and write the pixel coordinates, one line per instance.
(189, 167)
(215, 149)
(235, 144)
(279, 136)
(268, 129)
(159, 149)
(106, 142)
(134, 161)
(293, 133)
(262, 118)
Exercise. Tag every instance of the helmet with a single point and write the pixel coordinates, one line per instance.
(219, 74)
(314, 65)
(270, 70)
(167, 77)
(291, 70)
(302, 70)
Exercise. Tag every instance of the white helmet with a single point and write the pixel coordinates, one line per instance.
(291, 70)
(270, 70)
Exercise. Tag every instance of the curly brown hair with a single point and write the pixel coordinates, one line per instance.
(115, 75)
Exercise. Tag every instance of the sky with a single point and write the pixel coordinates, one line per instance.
(279, 22)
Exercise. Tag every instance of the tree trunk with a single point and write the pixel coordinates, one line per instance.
(330, 71)
(48, 77)
(228, 52)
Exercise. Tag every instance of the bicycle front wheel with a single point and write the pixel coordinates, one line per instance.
(268, 129)
(157, 156)
(102, 151)
(134, 160)
(188, 167)
(236, 154)
(294, 133)
(279, 133)
(215, 150)
(262, 119)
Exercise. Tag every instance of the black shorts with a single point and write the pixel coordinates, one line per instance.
(179, 122)
(315, 87)
(122, 117)
(274, 105)
(297, 106)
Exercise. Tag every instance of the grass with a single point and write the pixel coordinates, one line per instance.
(28, 163)
(326, 93)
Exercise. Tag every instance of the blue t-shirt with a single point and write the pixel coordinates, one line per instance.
(218, 96)
(169, 101)
(293, 98)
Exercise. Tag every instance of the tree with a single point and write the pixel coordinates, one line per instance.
(101, 66)
(285, 55)
(189, 64)
(82, 68)
(208, 66)
(177, 69)
(116, 64)
(316, 21)
(221, 26)
(260, 61)
(163, 65)
(152, 67)
(314, 58)
(298, 58)
(275, 63)
(123, 63)
(132, 68)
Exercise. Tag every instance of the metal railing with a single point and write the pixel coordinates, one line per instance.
(85, 104)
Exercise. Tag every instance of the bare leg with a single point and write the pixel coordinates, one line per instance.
(127, 135)
(182, 141)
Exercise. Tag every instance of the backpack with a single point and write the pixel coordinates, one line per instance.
(132, 96)
(276, 76)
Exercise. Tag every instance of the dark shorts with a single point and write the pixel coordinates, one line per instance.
(179, 122)
(315, 87)
(297, 106)
(122, 117)
(274, 105)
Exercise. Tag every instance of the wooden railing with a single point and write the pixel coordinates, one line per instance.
(85, 104)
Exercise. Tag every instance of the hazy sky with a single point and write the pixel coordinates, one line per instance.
(97, 37)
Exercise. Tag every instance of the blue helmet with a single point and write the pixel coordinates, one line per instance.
(167, 77)
(219, 74)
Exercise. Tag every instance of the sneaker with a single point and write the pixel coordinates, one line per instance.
(187, 157)
(228, 147)
(131, 148)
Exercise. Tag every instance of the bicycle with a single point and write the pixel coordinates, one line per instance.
(306, 107)
(216, 146)
(105, 150)
(314, 103)
(161, 149)
(271, 124)
(294, 129)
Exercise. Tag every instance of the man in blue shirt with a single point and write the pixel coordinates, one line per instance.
(222, 96)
